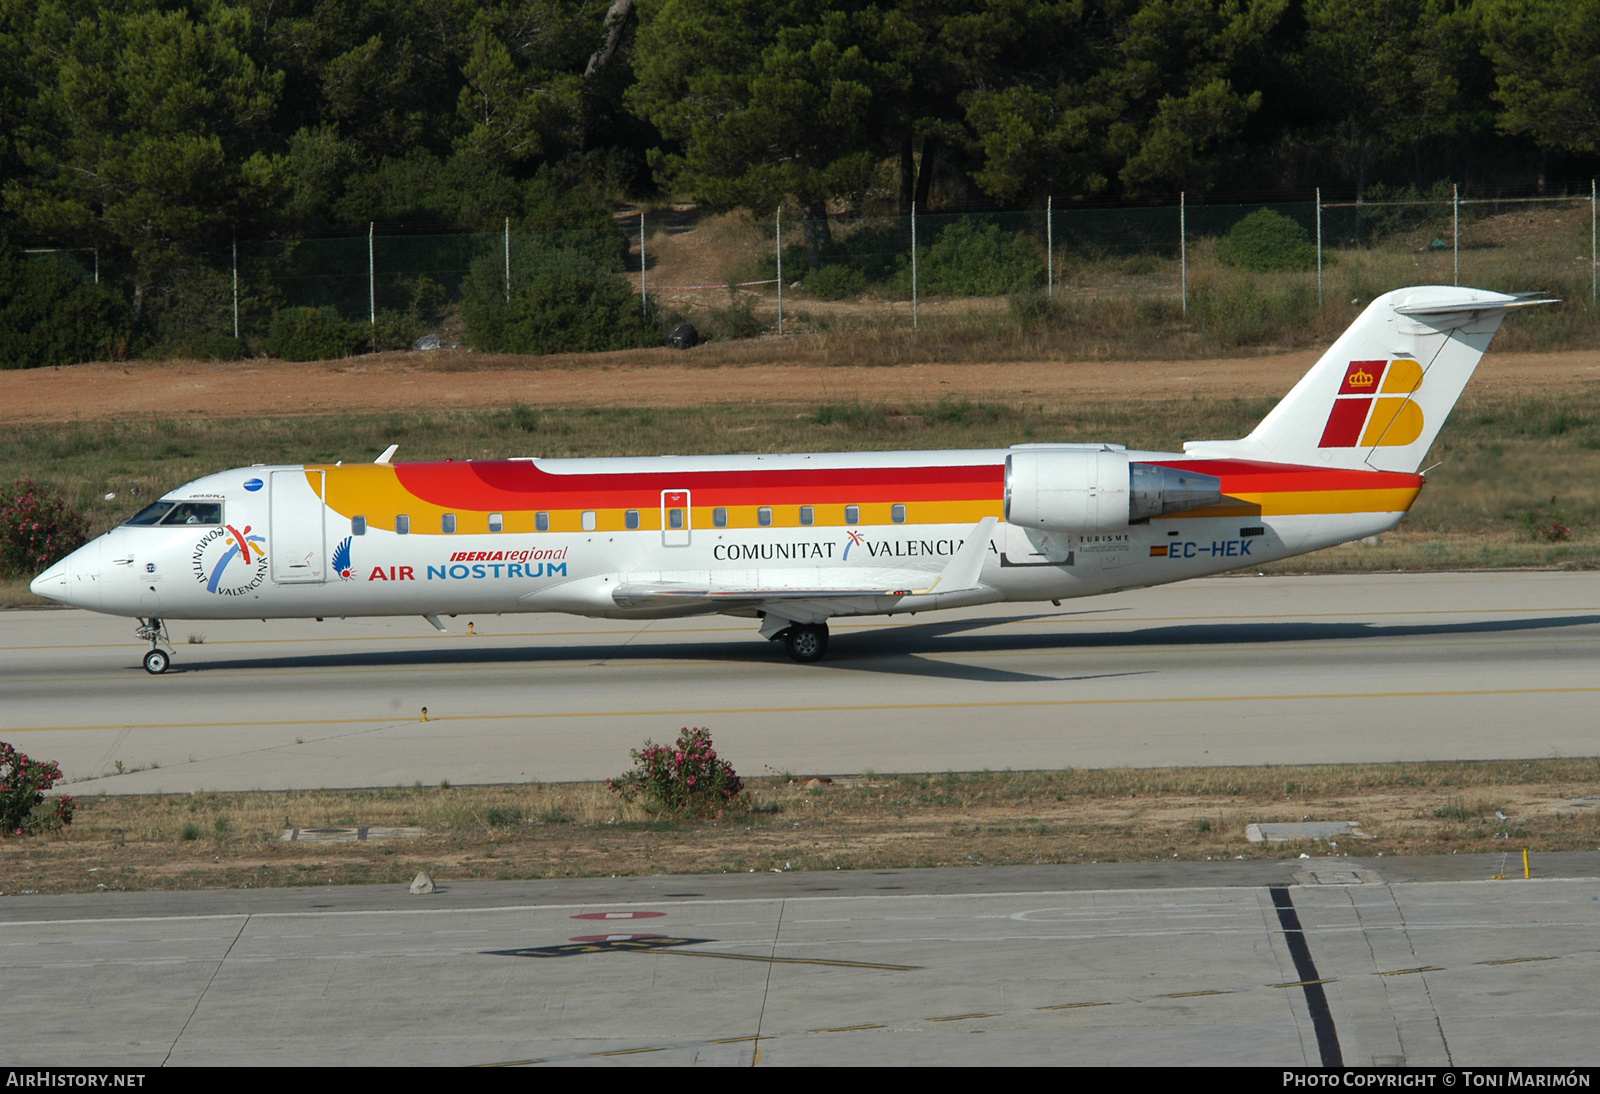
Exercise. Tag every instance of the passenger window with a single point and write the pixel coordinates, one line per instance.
(808, 515)
(674, 518)
(898, 514)
(631, 519)
(151, 514)
(588, 520)
(402, 525)
(852, 514)
(194, 512)
(541, 522)
(497, 522)
(764, 517)
(358, 526)
(448, 523)
(719, 517)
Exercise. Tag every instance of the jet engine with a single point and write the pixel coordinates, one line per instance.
(1085, 490)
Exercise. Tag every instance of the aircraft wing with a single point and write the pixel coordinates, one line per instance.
(821, 583)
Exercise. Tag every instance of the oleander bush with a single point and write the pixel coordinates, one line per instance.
(24, 781)
(687, 778)
(37, 528)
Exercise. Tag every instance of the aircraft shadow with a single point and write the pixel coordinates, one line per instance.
(905, 650)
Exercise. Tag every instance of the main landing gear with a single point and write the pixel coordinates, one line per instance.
(154, 631)
(806, 642)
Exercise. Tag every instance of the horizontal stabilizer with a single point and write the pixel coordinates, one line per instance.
(1377, 399)
(1469, 305)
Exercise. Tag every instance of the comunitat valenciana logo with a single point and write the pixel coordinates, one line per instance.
(1373, 406)
(229, 562)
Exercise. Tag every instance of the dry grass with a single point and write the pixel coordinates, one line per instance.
(1115, 305)
(208, 840)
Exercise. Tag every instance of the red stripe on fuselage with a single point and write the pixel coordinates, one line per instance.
(1255, 477)
(519, 485)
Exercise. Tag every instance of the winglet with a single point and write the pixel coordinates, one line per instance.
(963, 570)
(388, 454)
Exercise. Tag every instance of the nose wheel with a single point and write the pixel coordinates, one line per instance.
(154, 631)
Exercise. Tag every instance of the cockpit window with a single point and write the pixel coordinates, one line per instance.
(194, 512)
(151, 514)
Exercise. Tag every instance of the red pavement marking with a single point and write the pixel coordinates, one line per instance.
(620, 915)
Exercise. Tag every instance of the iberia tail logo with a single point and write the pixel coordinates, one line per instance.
(1373, 407)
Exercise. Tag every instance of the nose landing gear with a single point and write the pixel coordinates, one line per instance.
(154, 631)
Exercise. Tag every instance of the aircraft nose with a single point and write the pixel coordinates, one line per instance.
(52, 584)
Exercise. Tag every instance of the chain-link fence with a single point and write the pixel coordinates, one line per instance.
(1226, 266)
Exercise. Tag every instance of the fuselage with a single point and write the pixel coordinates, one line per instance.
(577, 535)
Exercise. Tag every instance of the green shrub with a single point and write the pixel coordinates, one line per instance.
(396, 330)
(686, 778)
(972, 260)
(425, 298)
(556, 311)
(1240, 313)
(836, 283)
(1265, 242)
(219, 347)
(314, 334)
(856, 415)
(37, 528)
(51, 314)
(878, 251)
(737, 320)
(23, 783)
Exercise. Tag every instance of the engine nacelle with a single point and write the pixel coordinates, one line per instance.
(1087, 490)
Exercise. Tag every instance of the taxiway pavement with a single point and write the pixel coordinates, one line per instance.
(1238, 670)
(1332, 961)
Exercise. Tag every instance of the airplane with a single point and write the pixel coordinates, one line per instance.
(796, 540)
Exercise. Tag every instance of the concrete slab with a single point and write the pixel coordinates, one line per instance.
(1174, 963)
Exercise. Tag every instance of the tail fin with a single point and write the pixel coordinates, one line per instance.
(1379, 396)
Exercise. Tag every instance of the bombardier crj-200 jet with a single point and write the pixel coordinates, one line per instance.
(796, 540)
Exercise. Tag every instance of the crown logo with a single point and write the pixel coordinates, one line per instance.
(1361, 378)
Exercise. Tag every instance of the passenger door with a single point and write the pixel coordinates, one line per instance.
(296, 548)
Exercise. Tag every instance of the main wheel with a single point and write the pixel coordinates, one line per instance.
(807, 642)
(156, 662)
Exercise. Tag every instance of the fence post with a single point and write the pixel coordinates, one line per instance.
(780, 269)
(97, 263)
(1183, 249)
(372, 288)
(508, 260)
(913, 265)
(644, 298)
(1050, 248)
(1594, 254)
(235, 284)
(1319, 247)
(1455, 227)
